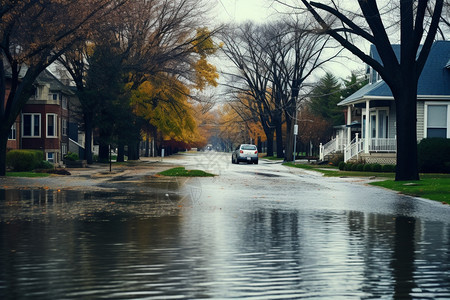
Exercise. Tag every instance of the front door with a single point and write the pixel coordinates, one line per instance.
(379, 121)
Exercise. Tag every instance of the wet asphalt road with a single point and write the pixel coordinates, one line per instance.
(272, 184)
(253, 232)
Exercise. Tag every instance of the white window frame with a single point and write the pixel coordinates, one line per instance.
(375, 111)
(63, 148)
(425, 123)
(64, 102)
(64, 127)
(50, 157)
(13, 132)
(33, 133)
(55, 125)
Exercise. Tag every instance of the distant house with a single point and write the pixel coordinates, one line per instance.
(370, 130)
(44, 121)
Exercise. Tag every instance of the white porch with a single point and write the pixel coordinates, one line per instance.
(376, 136)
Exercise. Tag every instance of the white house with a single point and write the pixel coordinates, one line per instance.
(370, 130)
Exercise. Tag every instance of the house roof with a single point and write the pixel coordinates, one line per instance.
(433, 82)
(47, 77)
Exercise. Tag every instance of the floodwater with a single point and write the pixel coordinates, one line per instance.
(254, 232)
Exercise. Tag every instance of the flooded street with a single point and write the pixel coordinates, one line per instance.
(254, 231)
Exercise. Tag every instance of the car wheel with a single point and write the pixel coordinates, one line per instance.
(256, 162)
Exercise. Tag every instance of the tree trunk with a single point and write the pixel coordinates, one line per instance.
(103, 152)
(147, 146)
(133, 150)
(406, 103)
(120, 153)
(289, 151)
(88, 127)
(3, 141)
(269, 136)
(279, 134)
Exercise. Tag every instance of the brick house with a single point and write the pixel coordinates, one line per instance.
(44, 121)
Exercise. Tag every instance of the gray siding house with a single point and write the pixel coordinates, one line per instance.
(370, 130)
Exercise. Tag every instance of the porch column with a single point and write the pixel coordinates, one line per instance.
(367, 129)
(349, 121)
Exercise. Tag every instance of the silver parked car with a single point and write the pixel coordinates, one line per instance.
(246, 153)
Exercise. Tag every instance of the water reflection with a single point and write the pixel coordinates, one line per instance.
(114, 246)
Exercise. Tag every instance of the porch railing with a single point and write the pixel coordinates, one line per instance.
(355, 147)
(383, 145)
(335, 145)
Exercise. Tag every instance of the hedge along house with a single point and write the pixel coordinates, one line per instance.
(370, 130)
(44, 120)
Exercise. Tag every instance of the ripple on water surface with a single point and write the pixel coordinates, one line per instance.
(200, 252)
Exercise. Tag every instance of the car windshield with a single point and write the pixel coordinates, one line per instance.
(248, 147)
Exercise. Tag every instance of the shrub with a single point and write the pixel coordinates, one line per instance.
(388, 168)
(355, 167)
(45, 165)
(376, 168)
(24, 160)
(434, 155)
(337, 159)
(360, 167)
(367, 168)
(341, 166)
(348, 166)
(71, 156)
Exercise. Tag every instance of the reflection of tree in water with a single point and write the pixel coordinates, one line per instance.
(403, 257)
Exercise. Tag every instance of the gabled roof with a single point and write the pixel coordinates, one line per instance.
(434, 80)
(47, 77)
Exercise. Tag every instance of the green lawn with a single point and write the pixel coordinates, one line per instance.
(434, 188)
(181, 171)
(431, 186)
(26, 174)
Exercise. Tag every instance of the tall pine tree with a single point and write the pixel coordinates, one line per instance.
(324, 99)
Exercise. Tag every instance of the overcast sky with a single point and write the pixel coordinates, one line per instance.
(260, 11)
(243, 10)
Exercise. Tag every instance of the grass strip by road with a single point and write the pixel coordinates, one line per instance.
(431, 186)
(436, 188)
(26, 174)
(182, 172)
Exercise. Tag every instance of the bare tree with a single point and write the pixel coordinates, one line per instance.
(245, 47)
(297, 51)
(401, 74)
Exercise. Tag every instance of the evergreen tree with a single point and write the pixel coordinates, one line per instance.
(325, 97)
(353, 84)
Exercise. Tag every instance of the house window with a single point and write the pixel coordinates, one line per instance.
(38, 92)
(51, 125)
(64, 127)
(31, 125)
(64, 102)
(64, 149)
(437, 121)
(12, 132)
(51, 157)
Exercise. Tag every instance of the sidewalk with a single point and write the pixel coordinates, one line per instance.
(95, 177)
